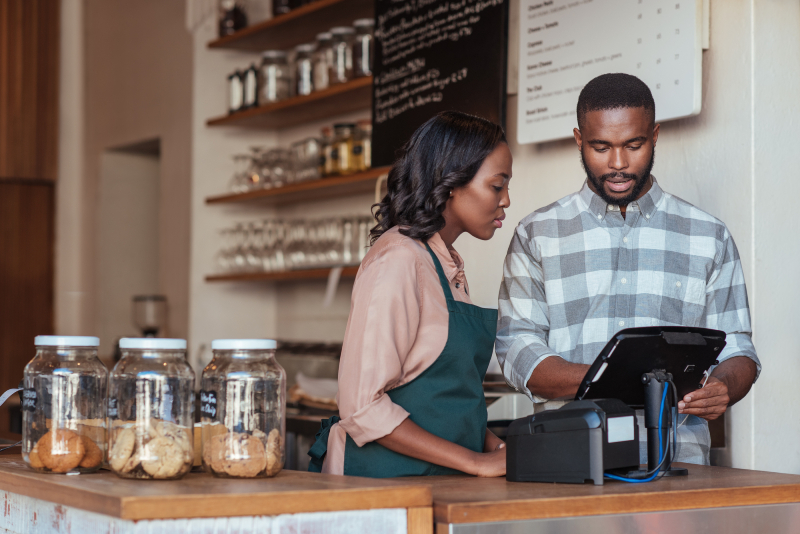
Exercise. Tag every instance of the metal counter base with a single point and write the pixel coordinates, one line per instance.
(774, 518)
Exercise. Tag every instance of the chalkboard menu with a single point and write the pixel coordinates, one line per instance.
(432, 56)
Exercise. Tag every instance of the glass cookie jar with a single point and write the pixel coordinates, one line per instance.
(63, 406)
(150, 405)
(243, 409)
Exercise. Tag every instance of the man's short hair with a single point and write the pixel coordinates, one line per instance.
(614, 91)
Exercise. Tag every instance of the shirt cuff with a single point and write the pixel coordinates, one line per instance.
(524, 358)
(374, 421)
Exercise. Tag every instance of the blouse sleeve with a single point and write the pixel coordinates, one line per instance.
(384, 317)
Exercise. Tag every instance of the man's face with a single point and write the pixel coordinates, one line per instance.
(618, 150)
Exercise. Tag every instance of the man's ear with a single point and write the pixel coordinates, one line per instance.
(656, 129)
(577, 134)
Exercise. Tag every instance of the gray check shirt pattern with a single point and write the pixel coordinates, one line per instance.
(576, 273)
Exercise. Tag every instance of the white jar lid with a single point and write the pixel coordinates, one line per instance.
(244, 344)
(66, 341)
(152, 343)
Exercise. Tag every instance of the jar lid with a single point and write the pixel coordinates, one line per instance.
(274, 54)
(244, 344)
(308, 47)
(342, 30)
(363, 22)
(324, 36)
(339, 125)
(66, 341)
(153, 343)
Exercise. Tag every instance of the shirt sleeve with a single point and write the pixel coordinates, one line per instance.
(381, 329)
(727, 308)
(523, 322)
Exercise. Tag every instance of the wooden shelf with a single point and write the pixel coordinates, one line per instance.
(299, 26)
(324, 188)
(287, 276)
(335, 100)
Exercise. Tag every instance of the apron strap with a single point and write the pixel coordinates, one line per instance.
(320, 447)
(448, 295)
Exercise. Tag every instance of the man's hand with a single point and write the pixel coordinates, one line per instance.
(709, 402)
(727, 385)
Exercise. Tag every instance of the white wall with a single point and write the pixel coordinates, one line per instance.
(127, 241)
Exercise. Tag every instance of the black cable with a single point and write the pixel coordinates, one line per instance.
(17, 444)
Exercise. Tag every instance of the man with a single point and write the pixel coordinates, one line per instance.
(622, 253)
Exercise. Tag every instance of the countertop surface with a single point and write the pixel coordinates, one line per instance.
(202, 495)
(457, 499)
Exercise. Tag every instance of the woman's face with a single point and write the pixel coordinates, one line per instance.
(478, 208)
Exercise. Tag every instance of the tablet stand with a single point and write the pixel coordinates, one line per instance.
(654, 383)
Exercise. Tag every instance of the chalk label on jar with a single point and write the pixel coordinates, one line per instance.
(208, 404)
(112, 407)
(29, 400)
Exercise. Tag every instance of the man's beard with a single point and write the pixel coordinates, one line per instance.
(640, 181)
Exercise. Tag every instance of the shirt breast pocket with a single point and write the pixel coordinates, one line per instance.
(684, 300)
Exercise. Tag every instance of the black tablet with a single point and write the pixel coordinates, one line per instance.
(684, 351)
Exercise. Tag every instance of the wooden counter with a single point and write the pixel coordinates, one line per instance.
(460, 500)
(201, 495)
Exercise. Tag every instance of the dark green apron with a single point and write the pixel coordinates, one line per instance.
(447, 399)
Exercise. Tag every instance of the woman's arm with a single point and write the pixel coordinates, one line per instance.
(409, 439)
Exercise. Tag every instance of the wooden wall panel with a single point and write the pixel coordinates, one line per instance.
(29, 41)
(27, 210)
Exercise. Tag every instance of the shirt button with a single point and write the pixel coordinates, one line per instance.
(622, 323)
(678, 284)
(624, 280)
(459, 285)
(624, 239)
(647, 216)
(599, 216)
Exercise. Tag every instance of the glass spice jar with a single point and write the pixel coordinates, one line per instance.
(243, 409)
(341, 69)
(330, 156)
(323, 59)
(63, 406)
(231, 18)
(250, 87)
(235, 92)
(304, 69)
(150, 410)
(362, 145)
(275, 80)
(343, 145)
(362, 47)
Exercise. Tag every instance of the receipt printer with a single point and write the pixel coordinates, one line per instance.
(578, 442)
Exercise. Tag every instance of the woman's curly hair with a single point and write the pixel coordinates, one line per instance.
(443, 154)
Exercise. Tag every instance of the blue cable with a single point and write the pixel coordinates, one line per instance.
(660, 451)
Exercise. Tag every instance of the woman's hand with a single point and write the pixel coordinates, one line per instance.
(491, 464)
(492, 442)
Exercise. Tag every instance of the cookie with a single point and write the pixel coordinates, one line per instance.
(244, 456)
(163, 458)
(61, 450)
(122, 449)
(214, 453)
(131, 463)
(178, 434)
(94, 454)
(33, 458)
(274, 453)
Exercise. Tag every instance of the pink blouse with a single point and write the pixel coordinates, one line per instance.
(397, 328)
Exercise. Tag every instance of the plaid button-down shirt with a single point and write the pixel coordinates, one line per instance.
(577, 272)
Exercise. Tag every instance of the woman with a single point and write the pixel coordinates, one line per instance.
(416, 350)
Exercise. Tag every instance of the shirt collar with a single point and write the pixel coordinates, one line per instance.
(598, 207)
(452, 262)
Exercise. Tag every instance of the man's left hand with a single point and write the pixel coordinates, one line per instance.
(709, 402)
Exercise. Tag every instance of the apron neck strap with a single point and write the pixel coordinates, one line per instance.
(448, 295)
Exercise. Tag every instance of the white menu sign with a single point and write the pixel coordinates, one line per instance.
(566, 43)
